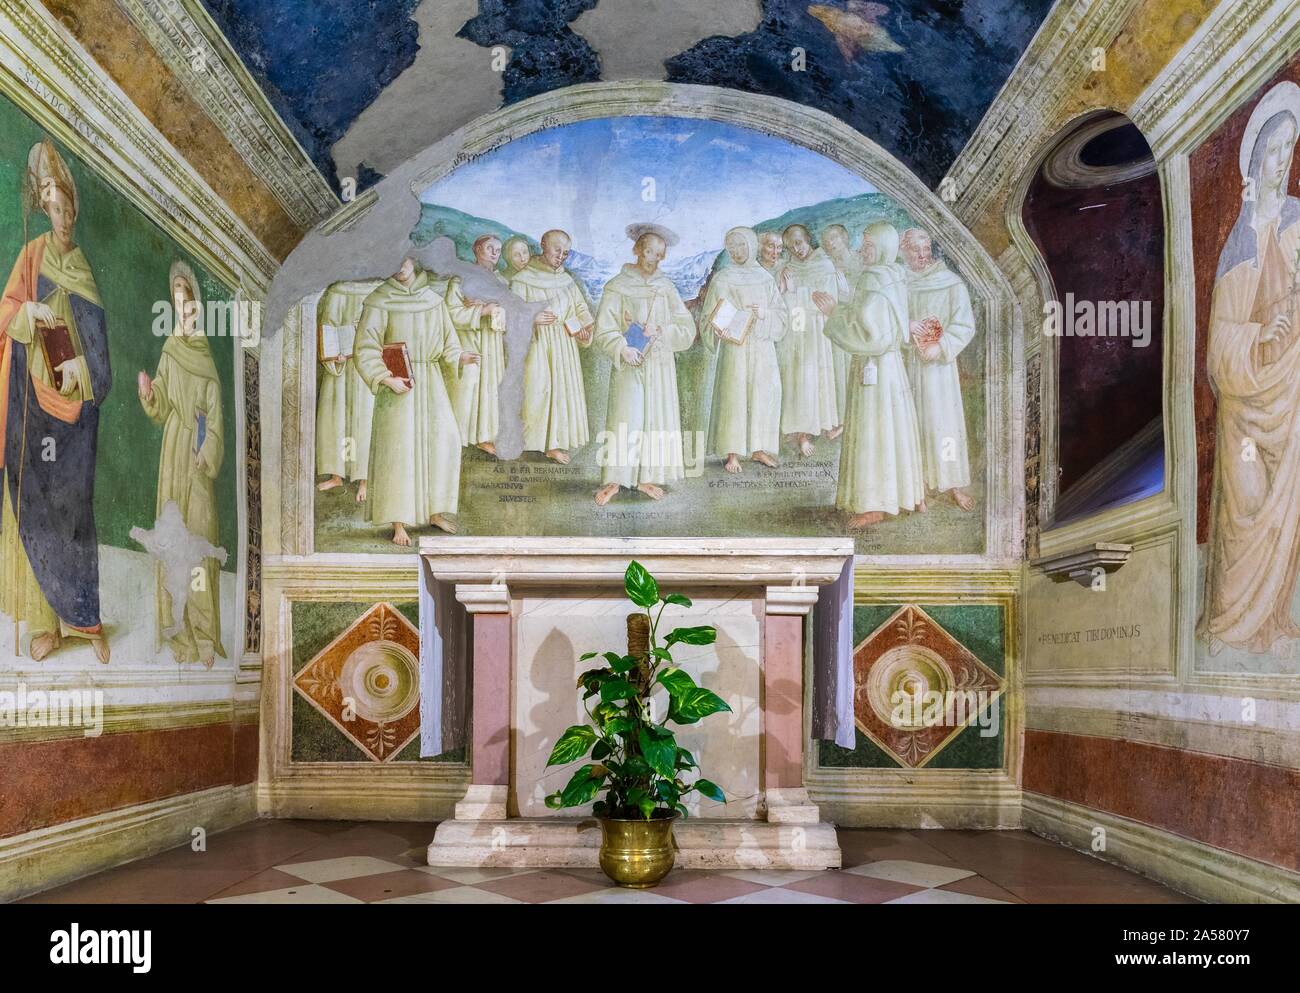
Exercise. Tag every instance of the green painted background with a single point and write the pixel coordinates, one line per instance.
(977, 626)
(131, 258)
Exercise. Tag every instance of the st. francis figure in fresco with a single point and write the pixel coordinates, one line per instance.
(54, 377)
(184, 399)
(644, 409)
(1253, 362)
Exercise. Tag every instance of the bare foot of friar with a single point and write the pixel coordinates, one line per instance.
(330, 483)
(920, 507)
(556, 455)
(806, 448)
(487, 446)
(606, 493)
(361, 491)
(100, 645)
(652, 491)
(835, 432)
(866, 520)
(207, 655)
(43, 644)
(732, 464)
(443, 523)
(762, 458)
(400, 537)
(962, 499)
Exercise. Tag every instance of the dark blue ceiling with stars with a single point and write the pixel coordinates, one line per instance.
(916, 76)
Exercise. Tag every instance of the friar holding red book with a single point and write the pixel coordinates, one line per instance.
(54, 377)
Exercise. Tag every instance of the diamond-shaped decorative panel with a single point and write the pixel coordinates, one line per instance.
(917, 687)
(367, 682)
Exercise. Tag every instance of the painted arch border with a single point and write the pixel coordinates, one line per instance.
(812, 129)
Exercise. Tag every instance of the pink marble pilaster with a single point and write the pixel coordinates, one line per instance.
(783, 655)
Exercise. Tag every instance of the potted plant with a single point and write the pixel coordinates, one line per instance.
(635, 759)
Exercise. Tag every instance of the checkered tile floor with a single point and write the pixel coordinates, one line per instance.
(338, 862)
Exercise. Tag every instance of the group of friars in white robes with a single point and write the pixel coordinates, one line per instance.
(858, 345)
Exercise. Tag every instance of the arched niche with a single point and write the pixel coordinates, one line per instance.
(368, 239)
(1087, 220)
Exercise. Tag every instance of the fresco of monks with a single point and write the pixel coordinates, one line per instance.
(809, 341)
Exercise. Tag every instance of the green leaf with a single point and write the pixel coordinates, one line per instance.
(573, 745)
(587, 655)
(692, 636)
(583, 787)
(668, 793)
(662, 653)
(636, 768)
(641, 587)
(681, 808)
(621, 663)
(675, 681)
(677, 598)
(659, 752)
(646, 806)
(685, 760)
(690, 706)
(619, 725)
(616, 689)
(601, 750)
(710, 790)
(600, 808)
(592, 679)
(553, 801)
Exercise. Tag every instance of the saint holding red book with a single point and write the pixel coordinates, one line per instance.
(50, 398)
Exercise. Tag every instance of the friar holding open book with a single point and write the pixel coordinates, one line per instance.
(54, 377)
(405, 334)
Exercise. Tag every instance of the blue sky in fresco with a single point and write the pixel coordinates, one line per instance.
(589, 179)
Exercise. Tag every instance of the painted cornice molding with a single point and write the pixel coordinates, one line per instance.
(1236, 48)
(202, 59)
(1049, 73)
(50, 77)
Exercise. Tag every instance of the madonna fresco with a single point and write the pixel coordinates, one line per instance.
(1253, 366)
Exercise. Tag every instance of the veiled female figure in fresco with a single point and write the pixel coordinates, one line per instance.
(49, 422)
(1253, 362)
(184, 399)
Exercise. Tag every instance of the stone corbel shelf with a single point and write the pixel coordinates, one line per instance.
(1081, 565)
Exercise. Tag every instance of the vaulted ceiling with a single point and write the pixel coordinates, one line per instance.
(365, 85)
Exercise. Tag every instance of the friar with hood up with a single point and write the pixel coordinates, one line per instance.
(880, 456)
(745, 418)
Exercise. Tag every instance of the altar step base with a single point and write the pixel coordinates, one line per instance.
(553, 842)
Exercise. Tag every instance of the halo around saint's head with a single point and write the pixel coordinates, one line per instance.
(1283, 96)
(635, 231)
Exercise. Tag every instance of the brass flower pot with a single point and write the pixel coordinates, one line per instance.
(637, 853)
